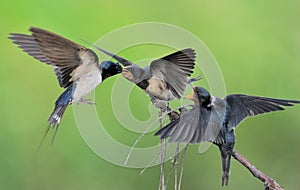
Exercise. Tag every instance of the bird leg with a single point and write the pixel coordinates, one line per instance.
(160, 104)
(87, 101)
(173, 115)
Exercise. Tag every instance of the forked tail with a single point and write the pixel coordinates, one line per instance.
(56, 115)
(225, 169)
(61, 105)
(54, 121)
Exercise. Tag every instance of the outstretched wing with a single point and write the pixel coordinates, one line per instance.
(175, 69)
(52, 49)
(199, 124)
(122, 60)
(182, 129)
(240, 106)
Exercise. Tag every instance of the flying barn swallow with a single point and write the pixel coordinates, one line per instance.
(76, 67)
(213, 119)
(165, 78)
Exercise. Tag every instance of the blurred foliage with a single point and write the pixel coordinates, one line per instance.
(256, 44)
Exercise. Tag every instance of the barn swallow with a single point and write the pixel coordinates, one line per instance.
(76, 67)
(213, 119)
(166, 78)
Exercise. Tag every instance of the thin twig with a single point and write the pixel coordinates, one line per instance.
(176, 166)
(136, 141)
(164, 160)
(170, 173)
(269, 183)
(170, 113)
(149, 164)
(182, 165)
(162, 165)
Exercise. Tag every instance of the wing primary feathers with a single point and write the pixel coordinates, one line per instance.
(175, 69)
(165, 132)
(242, 106)
(54, 50)
(122, 60)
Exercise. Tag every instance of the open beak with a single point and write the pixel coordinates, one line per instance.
(190, 96)
(124, 70)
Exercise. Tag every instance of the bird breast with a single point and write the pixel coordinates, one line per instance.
(158, 88)
(86, 83)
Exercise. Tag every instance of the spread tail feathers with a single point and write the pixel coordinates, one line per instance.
(56, 115)
(54, 121)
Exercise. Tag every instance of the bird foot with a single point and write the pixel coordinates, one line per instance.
(87, 101)
(160, 104)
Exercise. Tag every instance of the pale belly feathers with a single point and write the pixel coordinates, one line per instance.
(86, 84)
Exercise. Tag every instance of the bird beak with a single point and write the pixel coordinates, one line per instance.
(125, 70)
(120, 69)
(190, 96)
(127, 74)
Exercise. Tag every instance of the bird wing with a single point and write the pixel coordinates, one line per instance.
(52, 49)
(182, 129)
(213, 124)
(240, 106)
(197, 125)
(122, 60)
(175, 69)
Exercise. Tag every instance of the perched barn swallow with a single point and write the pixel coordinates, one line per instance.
(166, 78)
(213, 119)
(75, 66)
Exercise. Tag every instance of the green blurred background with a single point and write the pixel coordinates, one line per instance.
(256, 44)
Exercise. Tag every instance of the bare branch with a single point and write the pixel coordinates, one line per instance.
(269, 183)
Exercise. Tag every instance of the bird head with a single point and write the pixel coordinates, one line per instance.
(133, 73)
(109, 69)
(200, 96)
